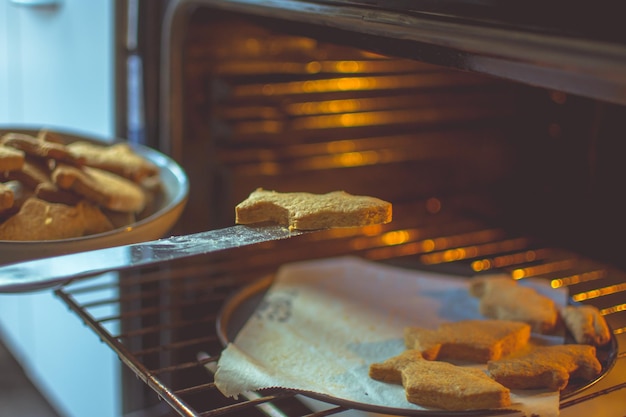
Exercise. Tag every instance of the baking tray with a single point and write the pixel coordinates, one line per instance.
(238, 308)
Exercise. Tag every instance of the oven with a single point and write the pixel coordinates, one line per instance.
(497, 132)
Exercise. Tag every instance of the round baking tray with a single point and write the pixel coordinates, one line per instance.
(238, 308)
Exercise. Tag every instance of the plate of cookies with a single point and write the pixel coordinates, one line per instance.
(63, 193)
(388, 340)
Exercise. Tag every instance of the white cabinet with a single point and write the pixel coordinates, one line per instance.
(57, 65)
(57, 70)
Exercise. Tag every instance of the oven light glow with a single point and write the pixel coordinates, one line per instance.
(442, 243)
(615, 309)
(325, 107)
(474, 251)
(313, 67)
(599, 292)
(252, 45)
(358, 83)
(372, 230)
(454, 255)
(347, 66)
(396, 237)
(621, 330)
(544, 269)
(429, 245)
(341, 146)
(268, 168)
(578, 278)
(396, 82)
(482, 265)
(351, 159)
(331, 121)
(507, 260)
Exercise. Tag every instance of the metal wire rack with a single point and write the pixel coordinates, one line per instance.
(161, 321)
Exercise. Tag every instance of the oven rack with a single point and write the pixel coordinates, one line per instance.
(161, 321)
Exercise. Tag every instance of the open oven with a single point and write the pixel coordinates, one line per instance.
(497, 131)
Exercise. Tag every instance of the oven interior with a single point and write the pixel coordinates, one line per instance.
(484, 174)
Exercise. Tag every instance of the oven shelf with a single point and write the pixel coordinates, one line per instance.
(161, 321)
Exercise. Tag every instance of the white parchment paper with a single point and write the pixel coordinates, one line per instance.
(322, 323)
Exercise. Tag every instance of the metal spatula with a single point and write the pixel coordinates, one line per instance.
(48, 272)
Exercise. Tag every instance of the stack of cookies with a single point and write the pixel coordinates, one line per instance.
(430, 372)
(52, 190)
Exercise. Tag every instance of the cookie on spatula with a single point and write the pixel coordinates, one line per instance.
(307, 211)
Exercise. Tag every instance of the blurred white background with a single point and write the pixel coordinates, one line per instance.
(57, 71)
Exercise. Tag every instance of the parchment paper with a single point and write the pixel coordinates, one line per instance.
(322, 323)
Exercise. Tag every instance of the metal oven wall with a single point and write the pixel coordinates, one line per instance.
(240, 118)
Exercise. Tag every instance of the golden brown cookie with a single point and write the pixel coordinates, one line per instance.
(444, 385)
(586, 324)
(102, 187)
(549, 367)
(39, 148)
(469, 340)
(11, 159)
(94, 220)
(391, 370)
(7, 197)
(306, 211)
(40, 220)
(27, 164)
(440, 384)
(47, 136)
(117, 158)
(501, 297)
(31, 175)
(19, 195)
(50, 192)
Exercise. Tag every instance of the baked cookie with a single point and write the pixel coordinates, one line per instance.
(586, 324)
(441, 384)
(469, 340)
(11, 159)
(45, 167)
(101, 187)
(43, 149)
(31, 175)
(50, 192)
(95, 221)
(546, 367)
(19, 194)
(7, 197)
(118, 158)
(47, 136)
(391, 370)
(501, 297)
(40, 220)
(306, 211)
